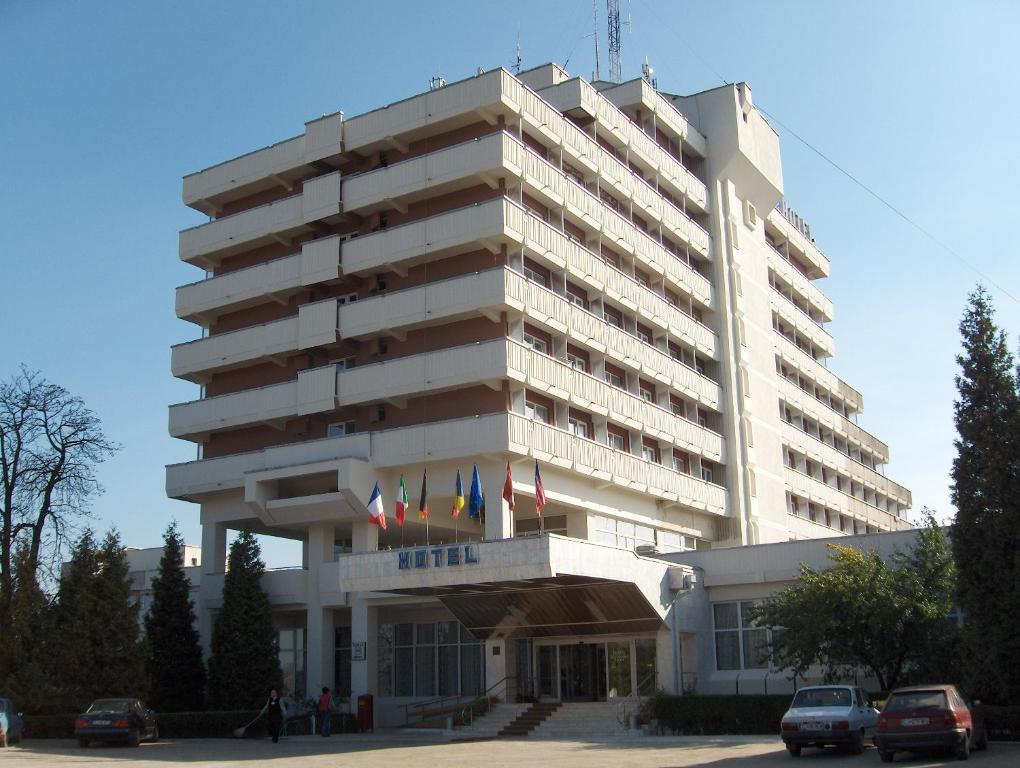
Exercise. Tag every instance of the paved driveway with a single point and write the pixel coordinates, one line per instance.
(384, 750)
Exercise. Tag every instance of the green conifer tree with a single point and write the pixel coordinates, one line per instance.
(98, 648)
(175, 666)
(245, 662)
(984, 491)
(25, 677)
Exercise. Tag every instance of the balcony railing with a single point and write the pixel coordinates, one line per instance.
(821, 493)
(821, 375)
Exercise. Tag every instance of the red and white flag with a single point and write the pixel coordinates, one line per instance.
(540, 499)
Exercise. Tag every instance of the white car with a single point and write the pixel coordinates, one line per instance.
(841, 715)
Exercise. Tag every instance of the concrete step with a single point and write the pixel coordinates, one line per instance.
(530, 719)
(498, 717)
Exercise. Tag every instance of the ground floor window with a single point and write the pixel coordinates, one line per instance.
(429, 659)
(739, 644)
(292, 660)
(342, 661)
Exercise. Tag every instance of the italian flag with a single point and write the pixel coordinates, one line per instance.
(401, 502)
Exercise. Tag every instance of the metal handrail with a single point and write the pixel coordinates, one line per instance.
(634, 697)
(444, 703)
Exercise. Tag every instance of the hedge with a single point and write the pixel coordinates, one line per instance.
(1002, 723)
(190, 725)
(715, 715)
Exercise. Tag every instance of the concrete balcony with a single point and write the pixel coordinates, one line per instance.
(818, 373)
(285, 587)
(823, 453)
(815, 490)
(563, 316)
(279, 221)
(565, 253)
(578, 96)
(314, 325)
(640, 93)
(558, 379)
(563, 449)
(795, 318)
(804, 249)
(837, 423)
(203, 301)
(801, 284)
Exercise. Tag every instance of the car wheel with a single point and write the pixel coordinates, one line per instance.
(793, 749)
(963, 750)
(856, 745)
(83, 742)
(885, 756)
(133, 738)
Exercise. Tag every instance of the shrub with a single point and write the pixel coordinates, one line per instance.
(1002, 723)
(49, 726)
(190, 725)
(696, 714)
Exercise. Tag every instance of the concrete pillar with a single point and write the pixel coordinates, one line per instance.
(214, 563)
(364, 536)
(498, 520)
(364, 635)
(319, 620)
(496, 665)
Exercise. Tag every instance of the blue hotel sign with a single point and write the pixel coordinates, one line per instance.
(437, 557)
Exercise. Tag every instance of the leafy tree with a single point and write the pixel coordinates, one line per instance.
(50, 446)
(245, 661)
(865, 611)
(97, 648)
(175, 666)
(986, 492)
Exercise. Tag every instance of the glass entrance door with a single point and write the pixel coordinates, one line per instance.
(547, 672)
(583, 672)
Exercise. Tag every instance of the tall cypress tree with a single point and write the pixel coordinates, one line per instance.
(175, 666)
(984, 491)
(97, 648)
(25, 675)
(245, 661)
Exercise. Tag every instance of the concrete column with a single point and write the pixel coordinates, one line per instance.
(214, 563)
(496, 665)
(498, 520)
(319, 620)
(364, 633)
(364, 536)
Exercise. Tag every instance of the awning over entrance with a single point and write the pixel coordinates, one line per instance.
(542, 586)
(560, 606)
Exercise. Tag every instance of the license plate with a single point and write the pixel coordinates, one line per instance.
(915, 721)
(100, 722)
(815, 726)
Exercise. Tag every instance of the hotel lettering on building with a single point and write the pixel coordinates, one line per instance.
(602, 278)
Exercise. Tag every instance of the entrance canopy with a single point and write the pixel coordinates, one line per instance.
(540, 586)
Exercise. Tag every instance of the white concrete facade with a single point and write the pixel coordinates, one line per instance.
(594, 277)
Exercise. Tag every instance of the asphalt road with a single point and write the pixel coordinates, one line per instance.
(399, 749)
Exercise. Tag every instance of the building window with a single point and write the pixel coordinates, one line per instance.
(682, 462)
(650, 451)
(578, 427)
(348, 298)
(536, 411)
(647, 391)
(612, 316)
(739, 644)
(535, 343)
(533, 526)
(423, 659)
(615, 377)
(342, 661)
(577, 362)
(678, 407)
(618, 439)
(577, 295)
(536, 273)
(644, 333)
(706, 471)
(346, 363)
(340, 428)
(670, 541)
(621, 533)
(292, 659)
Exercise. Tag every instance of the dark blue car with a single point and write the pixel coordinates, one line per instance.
(124, 720)
(11, 724)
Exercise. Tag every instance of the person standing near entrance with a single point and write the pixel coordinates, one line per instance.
(325, 708)
(274, 715)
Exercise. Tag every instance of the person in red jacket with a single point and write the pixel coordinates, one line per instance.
(325, 708)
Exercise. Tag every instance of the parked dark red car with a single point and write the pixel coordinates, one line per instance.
(926, 718)
(116, 720)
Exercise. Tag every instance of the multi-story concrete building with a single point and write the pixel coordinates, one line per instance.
(143, 569)
(599, 277)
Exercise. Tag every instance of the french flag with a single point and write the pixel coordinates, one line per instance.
(375, 508)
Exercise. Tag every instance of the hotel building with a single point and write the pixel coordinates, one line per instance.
(600, 277)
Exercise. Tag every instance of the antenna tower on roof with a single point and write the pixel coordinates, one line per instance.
(615, 62)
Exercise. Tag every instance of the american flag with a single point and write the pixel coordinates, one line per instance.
(540, 499)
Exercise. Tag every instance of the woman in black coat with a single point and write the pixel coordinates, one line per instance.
(274, 715)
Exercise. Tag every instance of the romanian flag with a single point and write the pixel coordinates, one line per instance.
(402, 504)
(508, 488)
(375, 508)
(540, 499)
(476, 502)
(423, 502)
(458, 496)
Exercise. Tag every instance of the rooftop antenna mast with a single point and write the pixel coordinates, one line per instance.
(517, 61)
(615, 64)
(595, 23)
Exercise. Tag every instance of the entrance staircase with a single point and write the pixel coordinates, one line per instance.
(490, 724)
(529, 719)
(586, 721)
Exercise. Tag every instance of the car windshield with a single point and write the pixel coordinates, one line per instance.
(118, 706)
(815, 698)
(910, 700)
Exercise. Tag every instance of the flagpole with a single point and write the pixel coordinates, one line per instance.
(456, 523)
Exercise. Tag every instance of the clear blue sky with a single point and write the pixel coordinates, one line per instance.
(105, 106)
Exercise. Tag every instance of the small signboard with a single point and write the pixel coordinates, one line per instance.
(358, 651)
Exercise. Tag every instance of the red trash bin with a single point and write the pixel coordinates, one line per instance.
(366, 712)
